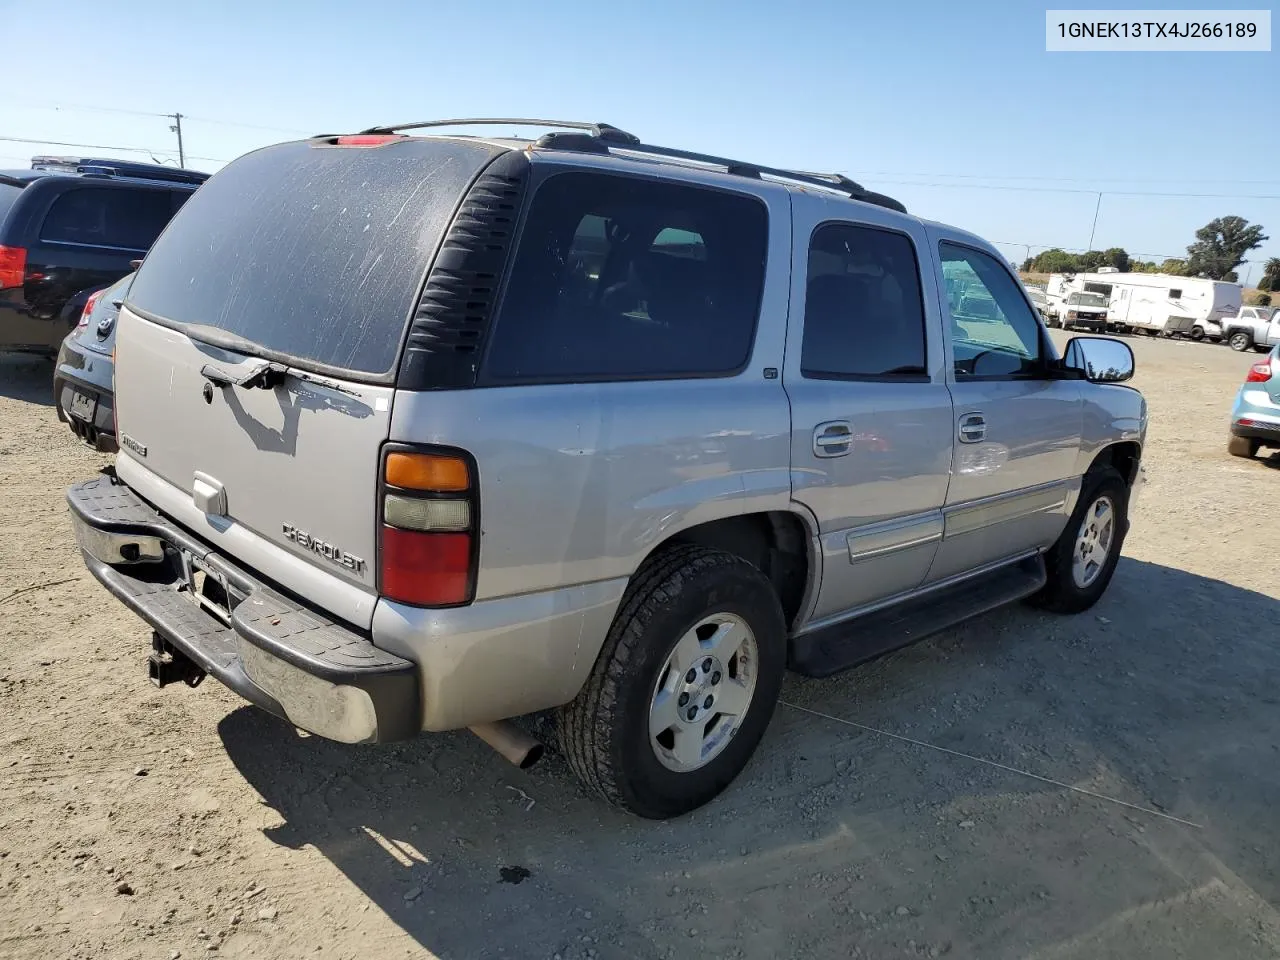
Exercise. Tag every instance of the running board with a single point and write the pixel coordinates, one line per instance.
(843, 645)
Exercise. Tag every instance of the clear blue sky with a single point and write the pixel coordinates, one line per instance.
(925, 101)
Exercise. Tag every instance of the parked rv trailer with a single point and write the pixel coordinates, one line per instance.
(1157, 303)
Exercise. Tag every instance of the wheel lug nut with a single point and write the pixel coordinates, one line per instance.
(691, 676)
(707, 702)
(693, 713)
(715, 678)
(706, 665)
(684, 699)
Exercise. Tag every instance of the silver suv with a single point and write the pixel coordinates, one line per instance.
(431, 432)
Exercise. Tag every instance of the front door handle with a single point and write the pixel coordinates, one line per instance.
(973, 428)
(832, 439)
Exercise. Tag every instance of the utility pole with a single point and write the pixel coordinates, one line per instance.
(1092, 231)
(176, 127)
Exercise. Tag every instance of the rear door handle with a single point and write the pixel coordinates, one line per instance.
(973, 428)
(834, 438)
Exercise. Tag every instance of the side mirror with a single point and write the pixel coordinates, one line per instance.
(1099, 359)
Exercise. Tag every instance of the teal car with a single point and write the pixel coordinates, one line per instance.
(1255, 418)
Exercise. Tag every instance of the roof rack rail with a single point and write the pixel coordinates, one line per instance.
(601, 137)
(602, 131)
(832, 181)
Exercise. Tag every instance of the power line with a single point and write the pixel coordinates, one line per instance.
(1113, 193)
(78, 106)
(103, 146)
(984, 176)
(165, 116)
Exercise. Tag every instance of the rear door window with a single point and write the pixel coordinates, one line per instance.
(122, 218)
(623, 278)
(863, 313)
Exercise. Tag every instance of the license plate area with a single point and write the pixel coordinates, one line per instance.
(83, 406)
(207, 588)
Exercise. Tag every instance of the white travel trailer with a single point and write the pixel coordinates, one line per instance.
(1156, 303)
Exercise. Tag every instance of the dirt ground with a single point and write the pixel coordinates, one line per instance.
(143, 823)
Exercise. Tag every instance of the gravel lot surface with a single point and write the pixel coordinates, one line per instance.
(143, 823)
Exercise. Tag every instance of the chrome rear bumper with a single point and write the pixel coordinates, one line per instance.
(275, 652)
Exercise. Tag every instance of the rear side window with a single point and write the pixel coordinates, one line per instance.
(623, 278)
(128, 219)
(312, 252)
(863, 312)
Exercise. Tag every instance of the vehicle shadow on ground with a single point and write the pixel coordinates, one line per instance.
(26, 378)
(1164, 696)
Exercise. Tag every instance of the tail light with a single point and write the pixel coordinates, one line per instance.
(13, 266)
(1259, 372)
(88, 307)
(430, 532)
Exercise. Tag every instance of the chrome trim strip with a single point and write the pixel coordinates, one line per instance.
(965, 518)
(880, 539)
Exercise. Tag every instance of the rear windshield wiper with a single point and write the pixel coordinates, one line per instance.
(267, 376)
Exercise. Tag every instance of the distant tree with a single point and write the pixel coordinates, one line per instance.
(1055, 261)
(1092, 260)
(1027, 264)
(1262, 299)
(1230, 276)
(1174, 266)
(1270, 275)
(1221, 246)
(1118, 258)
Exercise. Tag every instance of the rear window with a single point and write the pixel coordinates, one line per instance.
(128, 219)
(312, 252)
(8, 196)
(623, 278)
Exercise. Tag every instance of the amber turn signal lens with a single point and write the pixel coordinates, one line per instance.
(427, 471)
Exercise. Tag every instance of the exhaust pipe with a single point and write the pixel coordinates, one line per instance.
(509, 740)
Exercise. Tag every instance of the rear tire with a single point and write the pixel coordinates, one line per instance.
(1074, 586)
(1243, 447)
(1197, 333)
(607, 731)
(1240, 341)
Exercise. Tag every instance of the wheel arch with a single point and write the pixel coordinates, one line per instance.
(1124, 455)
(779, 543)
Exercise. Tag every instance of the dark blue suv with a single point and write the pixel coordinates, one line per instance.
(71, 226)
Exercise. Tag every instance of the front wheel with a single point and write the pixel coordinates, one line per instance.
(1082, 562)
(1240, 341)
(1197, 333)
(684, 687)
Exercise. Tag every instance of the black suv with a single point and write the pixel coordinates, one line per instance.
(68, 226)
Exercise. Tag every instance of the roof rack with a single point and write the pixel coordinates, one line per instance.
(105, 167)
(603, 131)
(604, 137)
